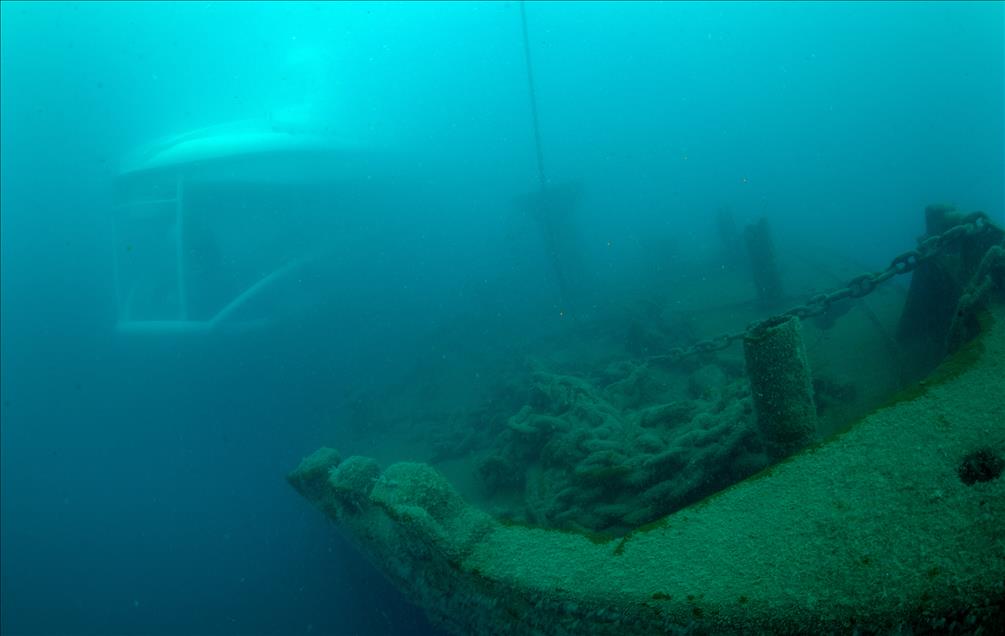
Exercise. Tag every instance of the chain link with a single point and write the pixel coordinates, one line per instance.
(858, 287)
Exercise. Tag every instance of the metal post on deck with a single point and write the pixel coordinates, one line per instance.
(781, 385)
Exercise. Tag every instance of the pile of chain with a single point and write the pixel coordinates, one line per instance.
(858, 287)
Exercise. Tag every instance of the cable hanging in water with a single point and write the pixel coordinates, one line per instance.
(533, 97)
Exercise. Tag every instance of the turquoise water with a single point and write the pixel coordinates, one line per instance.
(142, 474)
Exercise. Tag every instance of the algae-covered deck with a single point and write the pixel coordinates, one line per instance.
(873, 529)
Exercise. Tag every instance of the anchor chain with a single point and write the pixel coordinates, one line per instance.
(858, 287)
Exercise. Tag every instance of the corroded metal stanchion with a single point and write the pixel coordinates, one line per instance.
(781, 385)
(948, 257)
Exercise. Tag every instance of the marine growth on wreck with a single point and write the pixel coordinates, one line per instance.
(583, 455)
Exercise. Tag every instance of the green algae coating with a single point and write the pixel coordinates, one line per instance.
(597, 538)
(956, 364)
(781, 385)
(871, 530)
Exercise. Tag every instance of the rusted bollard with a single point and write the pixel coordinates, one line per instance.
(781, 385)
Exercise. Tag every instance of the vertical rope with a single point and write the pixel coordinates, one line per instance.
(544, 215)
(533, 97)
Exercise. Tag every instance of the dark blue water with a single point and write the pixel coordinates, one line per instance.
(143, 478)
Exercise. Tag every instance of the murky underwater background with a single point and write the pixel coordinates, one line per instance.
(143, 476)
